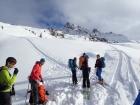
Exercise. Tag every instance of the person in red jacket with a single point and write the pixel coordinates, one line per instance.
(35, 79)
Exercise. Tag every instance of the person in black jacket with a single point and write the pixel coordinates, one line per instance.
(73, 70)
(85, 71)
(98, 66)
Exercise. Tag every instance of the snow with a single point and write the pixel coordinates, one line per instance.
(121, 72)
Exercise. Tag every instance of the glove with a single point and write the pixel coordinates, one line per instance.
(47, 93)
(16, 71)
(41, 80)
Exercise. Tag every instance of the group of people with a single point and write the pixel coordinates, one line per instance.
(84, 67)
(7, 80)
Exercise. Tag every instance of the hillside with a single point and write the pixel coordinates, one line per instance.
(121, 72)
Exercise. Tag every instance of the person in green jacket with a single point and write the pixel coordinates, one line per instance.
(7, 80)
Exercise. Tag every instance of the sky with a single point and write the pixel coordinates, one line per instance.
(118, 16)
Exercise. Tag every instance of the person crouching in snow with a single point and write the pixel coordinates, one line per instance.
(35, 79)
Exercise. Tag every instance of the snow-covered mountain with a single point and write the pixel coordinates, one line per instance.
(121, 72)
(94, 35)
(68, 31)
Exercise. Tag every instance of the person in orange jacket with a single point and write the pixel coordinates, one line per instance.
(35, 79)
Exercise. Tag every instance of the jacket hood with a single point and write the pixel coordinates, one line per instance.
(4, 67)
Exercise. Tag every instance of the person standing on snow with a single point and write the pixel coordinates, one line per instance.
(35, 78)
(98, 66)
(83, 64)
(73, 70)
(7, 81)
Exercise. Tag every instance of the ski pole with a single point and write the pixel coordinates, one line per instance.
(26, 96)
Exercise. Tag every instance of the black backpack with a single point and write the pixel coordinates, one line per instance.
(102, 62)
(4, 86)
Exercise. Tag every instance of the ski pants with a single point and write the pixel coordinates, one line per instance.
(34, 88)
(5, 98)
(98, 73)
(86, 81)
(74, 77)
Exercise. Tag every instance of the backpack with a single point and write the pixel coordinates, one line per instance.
(42, 95)
(2, 86)
(82, 61)
(43, 98)
(70, 63)
(102, 62)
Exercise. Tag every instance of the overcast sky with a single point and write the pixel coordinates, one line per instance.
(119, 16)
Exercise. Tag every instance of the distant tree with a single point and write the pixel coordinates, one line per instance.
(110, 32)
(2, 27)
(40, 35)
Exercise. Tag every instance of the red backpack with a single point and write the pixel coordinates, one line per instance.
(43, 98)
(82, 62)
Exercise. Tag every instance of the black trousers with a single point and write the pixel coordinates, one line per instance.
(34, 97)
(5, 98)
(86, 81)
(74, 77)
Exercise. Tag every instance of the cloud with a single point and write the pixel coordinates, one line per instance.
(120, 16)
(107, 15)
(18, 11)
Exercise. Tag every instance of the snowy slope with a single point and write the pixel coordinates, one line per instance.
(121, 72)
(24, 31)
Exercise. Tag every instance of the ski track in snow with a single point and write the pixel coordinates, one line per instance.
(48, 57)
(123, 80)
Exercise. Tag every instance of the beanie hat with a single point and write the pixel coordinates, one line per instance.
(42, 60)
